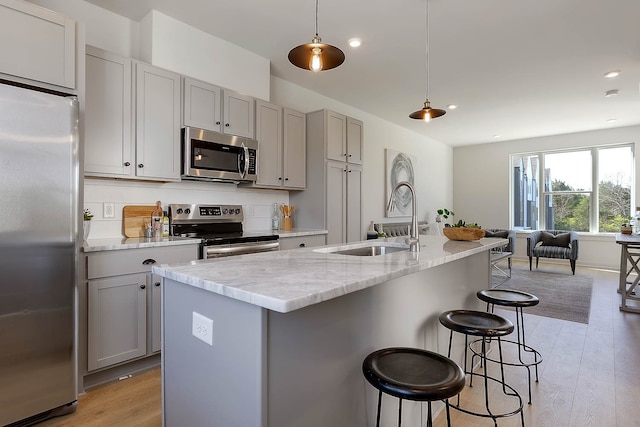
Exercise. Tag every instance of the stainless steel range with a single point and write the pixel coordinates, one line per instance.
(220, 228)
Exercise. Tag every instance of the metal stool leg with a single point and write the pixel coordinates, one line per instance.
(379, 406)
(400, 413)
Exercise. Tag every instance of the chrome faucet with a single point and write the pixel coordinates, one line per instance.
(414, 243)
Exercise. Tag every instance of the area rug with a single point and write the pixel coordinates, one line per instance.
(562, 296)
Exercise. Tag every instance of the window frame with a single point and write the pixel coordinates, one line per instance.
(594, 193)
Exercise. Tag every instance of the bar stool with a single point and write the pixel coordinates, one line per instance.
(517, 300)
(487, 326)
(413, 374)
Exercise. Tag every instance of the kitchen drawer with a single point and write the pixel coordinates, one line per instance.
(302, 242)
(129, 261)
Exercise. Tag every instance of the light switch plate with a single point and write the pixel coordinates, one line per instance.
(108, 210)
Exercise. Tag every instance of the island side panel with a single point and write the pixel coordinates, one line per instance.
(316, 353)
(220, 385)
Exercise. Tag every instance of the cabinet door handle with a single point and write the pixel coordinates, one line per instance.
(286, 179)
(279, 178)
(345, 154)
(127, 163)
(349, 171)
(141, 165)
(143, 286)
(148, 261)
(157, 284)
(226, 125)
(302, 245)
(218, 123)
(349, 155)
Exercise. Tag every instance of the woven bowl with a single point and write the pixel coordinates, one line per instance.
(463, 233)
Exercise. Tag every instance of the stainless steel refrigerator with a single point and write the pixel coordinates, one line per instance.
(39, 221)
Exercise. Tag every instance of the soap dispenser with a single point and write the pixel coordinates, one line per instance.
(371, 232)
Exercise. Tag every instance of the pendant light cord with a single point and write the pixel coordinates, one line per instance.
(426, 31)
(317, 18)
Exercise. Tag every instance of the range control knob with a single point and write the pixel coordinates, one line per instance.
(187, 211)
(238, 211)
(179, 211)
(225, 211)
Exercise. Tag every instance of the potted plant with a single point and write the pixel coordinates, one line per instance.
(443, 213)
(86, 223)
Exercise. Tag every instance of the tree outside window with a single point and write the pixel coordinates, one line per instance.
(568, 198)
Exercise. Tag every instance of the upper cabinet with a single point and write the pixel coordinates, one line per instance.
(210, 107)
(37, 44)
(281, 135)
(132, 119)
(344, 138)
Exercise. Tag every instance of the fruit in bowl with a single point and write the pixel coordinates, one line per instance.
(463, 231)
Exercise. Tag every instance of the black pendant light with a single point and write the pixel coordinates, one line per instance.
(427, 113)
(316, 56)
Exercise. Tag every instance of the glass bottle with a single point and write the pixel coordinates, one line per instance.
(275, 217)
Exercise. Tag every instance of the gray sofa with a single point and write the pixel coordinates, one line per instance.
(553, 244)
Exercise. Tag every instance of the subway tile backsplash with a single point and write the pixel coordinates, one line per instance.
(257, 204)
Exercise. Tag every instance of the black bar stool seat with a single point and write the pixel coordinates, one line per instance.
(413, 374)
(508, 297)
(527, 355)
(487, 326)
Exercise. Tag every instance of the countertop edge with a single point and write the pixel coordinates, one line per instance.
(116, 244)
(291, 297)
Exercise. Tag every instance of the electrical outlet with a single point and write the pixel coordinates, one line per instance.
(108, 210)
(202, 328)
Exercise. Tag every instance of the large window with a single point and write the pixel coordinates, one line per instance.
(586, 190)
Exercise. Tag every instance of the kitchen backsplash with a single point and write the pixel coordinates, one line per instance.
(257, 204)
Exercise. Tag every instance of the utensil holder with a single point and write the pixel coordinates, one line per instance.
(286, 223)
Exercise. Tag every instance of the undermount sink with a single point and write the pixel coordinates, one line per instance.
(369, 250)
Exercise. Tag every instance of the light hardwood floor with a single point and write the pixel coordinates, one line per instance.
(590, 375)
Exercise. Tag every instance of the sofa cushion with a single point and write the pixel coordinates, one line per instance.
(502, 234)
(561, 239)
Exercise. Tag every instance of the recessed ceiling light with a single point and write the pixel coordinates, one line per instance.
(611, 74)
(355, 42)
(452, 106)
(612, 120)
(497, 136)
(612, 92)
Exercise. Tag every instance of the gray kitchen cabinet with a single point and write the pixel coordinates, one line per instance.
(211, 107)
(302, 241)
(108, 114)
(333, 197)
(157, 123)
(343, 137)
(294, 149)
(132, 119)
(202, 104)
(117, 312)
(123, 303)
(37, 44)
(280, 133)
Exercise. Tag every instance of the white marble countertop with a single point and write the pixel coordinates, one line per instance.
(289, 280)
(118, 243)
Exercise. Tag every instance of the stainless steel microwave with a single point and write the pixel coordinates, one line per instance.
(213, 156)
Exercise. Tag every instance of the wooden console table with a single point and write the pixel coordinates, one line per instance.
(629, 271)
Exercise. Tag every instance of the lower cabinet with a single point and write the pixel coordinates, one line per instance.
(124, 303)
(117, 312)
(302, 241)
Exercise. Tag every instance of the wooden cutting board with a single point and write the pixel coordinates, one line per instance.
(134, 218)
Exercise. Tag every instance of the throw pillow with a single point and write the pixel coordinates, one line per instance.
(501, 234)
(562, 240)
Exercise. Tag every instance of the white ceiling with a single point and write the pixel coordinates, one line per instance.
(516, 68)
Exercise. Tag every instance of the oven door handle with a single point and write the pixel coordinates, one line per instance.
(214, 250)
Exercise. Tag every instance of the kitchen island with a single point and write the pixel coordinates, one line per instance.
(288, 330)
